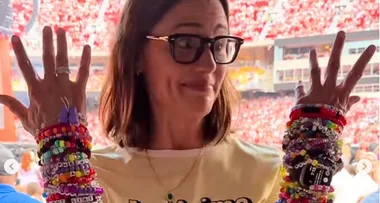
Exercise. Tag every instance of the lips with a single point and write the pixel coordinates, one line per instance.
(199, 86)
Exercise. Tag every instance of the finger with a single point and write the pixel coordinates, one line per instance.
(84, 69)
(300, 90)
(356, 72)
(334, 61)
(62, 58)
(48, 53)
(351, 101)
(15, 106)
(23, 62)
(315, 72)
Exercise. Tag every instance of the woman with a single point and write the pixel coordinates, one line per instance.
(29, 172)
(166, 104)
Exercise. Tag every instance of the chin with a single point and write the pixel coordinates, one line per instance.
(201, 107)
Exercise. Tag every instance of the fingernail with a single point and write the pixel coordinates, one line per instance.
(341, 34)
(312, 52)
(372, 48)
(46, 30)
(87, 48)
(60, 31)
(15, 39)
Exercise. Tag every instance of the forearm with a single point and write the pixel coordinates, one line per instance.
(312, 154)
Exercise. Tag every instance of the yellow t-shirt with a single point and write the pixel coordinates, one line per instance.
(231, 172)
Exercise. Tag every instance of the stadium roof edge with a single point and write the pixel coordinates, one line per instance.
(326, 39)
(259, 43)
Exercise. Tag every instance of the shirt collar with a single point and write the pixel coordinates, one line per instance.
(4, 188)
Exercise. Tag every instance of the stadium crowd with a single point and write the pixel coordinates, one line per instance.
(94, 21)
(249, 123)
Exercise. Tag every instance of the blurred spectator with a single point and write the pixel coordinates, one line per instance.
(34, 190)
(375, 175)
(8, 193)
(342, 182)
(366, 182)
(29, 172)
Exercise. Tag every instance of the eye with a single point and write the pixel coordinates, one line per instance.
(220, 44)
(188, 42)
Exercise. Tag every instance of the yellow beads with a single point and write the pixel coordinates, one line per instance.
(78, 174)
(314, 163)
(55, 181)
(340, 142)
(71, 158)
(61, 143)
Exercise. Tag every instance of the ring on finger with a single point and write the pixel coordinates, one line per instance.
(62, 70)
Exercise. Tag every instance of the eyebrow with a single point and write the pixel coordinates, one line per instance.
(197, 25)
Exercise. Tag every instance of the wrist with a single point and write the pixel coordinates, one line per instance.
(312, 153)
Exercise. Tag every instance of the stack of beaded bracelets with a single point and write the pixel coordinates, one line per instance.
(312, 154)
(64, 151)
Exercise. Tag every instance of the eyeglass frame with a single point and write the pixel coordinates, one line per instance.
(204, 40)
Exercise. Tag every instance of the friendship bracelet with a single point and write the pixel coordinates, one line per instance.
(72, 137)
(329, 107)
(61, 128)
(70, 157)
(50, 156)
(59, 146)
(64, 150)
(74, 190)
(65, 173)
(56, 166)
(313, 152)
(318, 112)
(86, 199)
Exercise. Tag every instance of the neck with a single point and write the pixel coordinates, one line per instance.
(177, 133)
(8, 180)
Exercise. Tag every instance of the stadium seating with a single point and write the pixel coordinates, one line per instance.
(22, 13)
(262, 120)
(361, 15)
(85, 23)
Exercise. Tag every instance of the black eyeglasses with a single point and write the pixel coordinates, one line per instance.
(188, 48)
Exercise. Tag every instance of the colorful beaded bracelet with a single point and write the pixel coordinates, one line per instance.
(61, 128)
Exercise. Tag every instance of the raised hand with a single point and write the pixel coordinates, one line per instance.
(330, 92)
(48, 95)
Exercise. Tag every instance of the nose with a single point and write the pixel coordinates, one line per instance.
(206, 62)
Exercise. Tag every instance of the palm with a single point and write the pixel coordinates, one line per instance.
(329, 92)
(46, 94)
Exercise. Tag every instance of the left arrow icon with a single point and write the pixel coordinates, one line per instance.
(11, 166)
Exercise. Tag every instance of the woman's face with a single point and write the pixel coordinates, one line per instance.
(190, 89)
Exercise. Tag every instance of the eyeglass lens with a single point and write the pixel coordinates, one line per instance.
(188, 48)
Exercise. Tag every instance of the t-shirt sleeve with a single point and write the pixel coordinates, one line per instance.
(274, 195)
(101, 159)
(105, 194)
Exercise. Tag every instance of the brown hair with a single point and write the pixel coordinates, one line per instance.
(124, 105)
